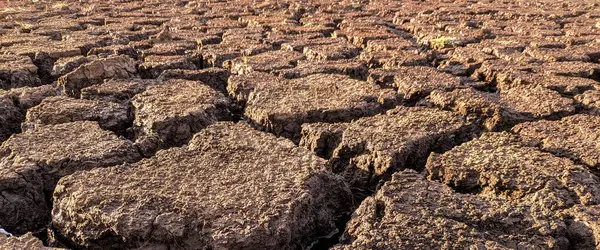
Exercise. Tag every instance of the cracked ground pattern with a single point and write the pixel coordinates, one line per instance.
(300, 124)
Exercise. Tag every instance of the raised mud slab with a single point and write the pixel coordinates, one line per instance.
(232, 188)
(29, 171)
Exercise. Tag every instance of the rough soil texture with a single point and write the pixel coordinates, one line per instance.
(372, 148)
(25, 242)
(501, 110)
(29, 171)
(410, 212)
(576, 137)
(232, 188)
(169, 114)
(60, 109)
(120, 91)
(282, 107)
(95, 72)
(494, 104)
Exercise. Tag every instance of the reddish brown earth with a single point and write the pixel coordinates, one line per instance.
(314, 124)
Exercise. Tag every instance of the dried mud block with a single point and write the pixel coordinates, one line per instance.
(33, 161)
(169, 114)
(232, 188)
(371, 149)
(590, 100)
(395, 59)
(573, 69)
(583, 226)
(171, 48)
(213, 77)
(65, 65)
(498, 111)
(240, 86)
(17, 71)
(417, 82)
(154, 65)
(116, 90)
(282, 108)
(95, 72)
(23, 242)
(557, 54)
(352, 68)
(500, 165)
(61, 109)
(576, 137)
(28, 97)
(265, 62)
(410, 212)
(382, 77)
(338, 50)
(568, 85)
(322, 138)
(216, 55)
(129, 50)
(10, 118)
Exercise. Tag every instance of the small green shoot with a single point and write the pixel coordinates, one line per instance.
(442, 42)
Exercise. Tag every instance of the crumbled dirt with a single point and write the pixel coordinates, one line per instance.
(29, 171)
(263, 192)
(17, 71)
(24, 242)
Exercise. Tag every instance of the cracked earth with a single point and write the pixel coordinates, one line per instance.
(300, 124)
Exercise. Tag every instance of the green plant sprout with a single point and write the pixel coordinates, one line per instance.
(442, 42)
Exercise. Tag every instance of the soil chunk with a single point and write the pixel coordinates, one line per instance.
(410, 212)
(169, 114)
(60, 109)
(275, 195)
(282, 108)
(95, 72)
(371, 149)
(576, 137)
(30, 170)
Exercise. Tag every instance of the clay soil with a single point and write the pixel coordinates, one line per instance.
(299, 124)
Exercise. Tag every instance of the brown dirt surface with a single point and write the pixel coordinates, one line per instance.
(24, 242)
(372, 148)
(262, 192)
(410, 212)
(283, 107)
(500, 165)
(501, 110)
(576, 137)
(29, 170)
(174, 111)
(505, 94)
(60, 109)
(17, 71)
(95, 72)
(117, 90)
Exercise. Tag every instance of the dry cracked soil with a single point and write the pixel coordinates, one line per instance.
(299, 124)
